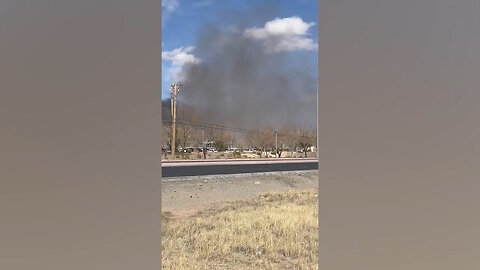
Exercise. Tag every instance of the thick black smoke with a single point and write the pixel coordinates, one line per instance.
(239, 84)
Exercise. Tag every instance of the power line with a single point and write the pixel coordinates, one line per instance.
(226, 128)
(214, 126)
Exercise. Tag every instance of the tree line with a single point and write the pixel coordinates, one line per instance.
(264, 140)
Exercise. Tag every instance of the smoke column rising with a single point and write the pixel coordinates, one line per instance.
(239, 83)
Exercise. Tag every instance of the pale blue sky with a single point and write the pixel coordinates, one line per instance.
(182, 20)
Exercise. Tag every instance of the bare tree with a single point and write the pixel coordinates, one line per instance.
(196, 139)
(221, 140)
(166, 138)
(251, 139)
(242, 141)
(283, 142)
(189, 134)
(279, 150)
(287, 140)
(306, 139)
(265, 139)
(208, 139)
(184, 135)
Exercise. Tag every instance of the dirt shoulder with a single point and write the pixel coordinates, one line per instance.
(186, 196)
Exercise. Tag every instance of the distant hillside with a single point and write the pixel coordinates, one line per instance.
(192, 114)
(184, 112)
(166, 112)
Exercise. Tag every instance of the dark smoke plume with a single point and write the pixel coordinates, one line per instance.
(239, 84)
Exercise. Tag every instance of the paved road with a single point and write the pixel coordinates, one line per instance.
(217, 167)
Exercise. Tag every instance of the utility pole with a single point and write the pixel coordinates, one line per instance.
(276, 144)
(317, 140)
(174, 92)
(204, 145)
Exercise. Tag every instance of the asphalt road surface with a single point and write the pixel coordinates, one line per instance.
(219, 167)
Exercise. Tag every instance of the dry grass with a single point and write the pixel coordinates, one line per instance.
(273, 231)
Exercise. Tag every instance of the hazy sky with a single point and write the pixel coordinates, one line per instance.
(247, 64)
(183, 21)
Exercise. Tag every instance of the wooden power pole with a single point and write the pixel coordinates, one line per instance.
(276, 144)
(174, 92)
